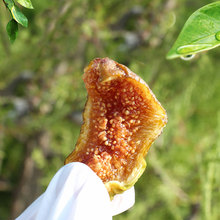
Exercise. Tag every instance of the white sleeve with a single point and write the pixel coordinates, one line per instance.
(77, 193)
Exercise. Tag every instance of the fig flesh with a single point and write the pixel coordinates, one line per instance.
(122, 118)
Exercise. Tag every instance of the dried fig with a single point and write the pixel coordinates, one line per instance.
(122, 118)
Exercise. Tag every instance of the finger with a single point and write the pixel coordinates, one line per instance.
(123, 202)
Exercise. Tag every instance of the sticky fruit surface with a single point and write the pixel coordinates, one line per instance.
(122, 118)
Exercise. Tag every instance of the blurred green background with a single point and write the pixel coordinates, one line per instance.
(42, 96)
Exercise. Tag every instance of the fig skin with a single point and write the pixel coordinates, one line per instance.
(122, 118)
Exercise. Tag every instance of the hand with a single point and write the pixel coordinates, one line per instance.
(77, 193)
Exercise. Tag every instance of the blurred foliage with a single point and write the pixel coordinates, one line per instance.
(42, 95)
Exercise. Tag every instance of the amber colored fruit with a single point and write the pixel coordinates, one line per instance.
(122, 118)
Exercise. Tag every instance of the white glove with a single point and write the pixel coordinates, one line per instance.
(77, 193)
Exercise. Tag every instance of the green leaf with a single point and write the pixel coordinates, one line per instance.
(12, 30)
(9, 4)
(19, 16)
(201, 32)
(25, 3)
